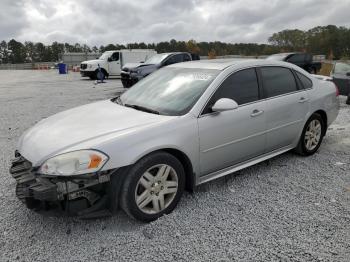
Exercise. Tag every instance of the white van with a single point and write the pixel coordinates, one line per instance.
(111, 62)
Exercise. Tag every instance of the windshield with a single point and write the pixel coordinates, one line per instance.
(341, 68)
(105, 55)
(277, 57)
(156, 59)
(169, 91)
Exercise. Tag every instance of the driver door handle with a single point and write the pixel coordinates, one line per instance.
(256, 112)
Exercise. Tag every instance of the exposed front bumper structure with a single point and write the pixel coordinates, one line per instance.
(86, 195)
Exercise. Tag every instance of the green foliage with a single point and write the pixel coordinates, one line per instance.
(329, 40)
(289, 39)
(18, 51)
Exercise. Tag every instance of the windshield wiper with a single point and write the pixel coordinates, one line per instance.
(142, 108)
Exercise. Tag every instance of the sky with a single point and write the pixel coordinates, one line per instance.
(99, 22)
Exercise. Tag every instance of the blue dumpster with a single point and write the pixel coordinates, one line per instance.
(62, 68)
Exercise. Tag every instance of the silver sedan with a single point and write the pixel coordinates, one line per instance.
(182, 126)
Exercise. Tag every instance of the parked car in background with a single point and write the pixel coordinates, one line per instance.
(341, 77)
(303, 60)
(132, 73)
(111, 62)
(141, 155)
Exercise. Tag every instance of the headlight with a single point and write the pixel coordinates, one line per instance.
(74, 163)
(90, 66)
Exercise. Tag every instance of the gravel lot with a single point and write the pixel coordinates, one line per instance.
(290, 208)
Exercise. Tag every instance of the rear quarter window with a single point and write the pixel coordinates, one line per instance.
(277, 81)
(306, 82)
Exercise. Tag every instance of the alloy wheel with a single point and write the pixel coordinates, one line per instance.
(313, 134)
(156, 189)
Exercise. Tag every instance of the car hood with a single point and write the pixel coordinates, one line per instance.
(63, 131)
(134, 66)
(95, 61)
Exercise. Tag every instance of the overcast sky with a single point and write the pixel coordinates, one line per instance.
(96, 22)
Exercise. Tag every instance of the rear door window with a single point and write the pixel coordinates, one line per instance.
(277, 81)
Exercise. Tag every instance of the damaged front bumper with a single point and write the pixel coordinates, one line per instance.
(87, 196)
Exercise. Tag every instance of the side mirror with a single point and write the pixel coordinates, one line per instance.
(348, 74)
(224, 104)
(109, 59)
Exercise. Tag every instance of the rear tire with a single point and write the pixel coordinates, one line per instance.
(312, 136)
(153, 187)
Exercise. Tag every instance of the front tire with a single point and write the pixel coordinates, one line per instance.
(312, 136)
(153, 187)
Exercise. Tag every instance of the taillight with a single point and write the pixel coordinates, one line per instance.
(336, 90)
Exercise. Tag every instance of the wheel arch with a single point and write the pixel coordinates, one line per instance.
(323, 115)
(184, 160)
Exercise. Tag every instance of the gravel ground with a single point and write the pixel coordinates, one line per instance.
(290, 208)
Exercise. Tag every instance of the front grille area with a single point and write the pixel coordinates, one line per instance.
(21, 171)
(83, 66)
(29, 186)
(83, 197)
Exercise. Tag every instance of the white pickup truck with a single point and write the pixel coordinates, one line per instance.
(111, 62)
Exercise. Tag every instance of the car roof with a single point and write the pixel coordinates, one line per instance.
(287, 53)
(137, 49)
(221, 64)
(172, 53)
(281, 54)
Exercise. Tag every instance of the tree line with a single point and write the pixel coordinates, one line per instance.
(332, 41)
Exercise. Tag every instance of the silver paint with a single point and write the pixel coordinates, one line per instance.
(216, 144)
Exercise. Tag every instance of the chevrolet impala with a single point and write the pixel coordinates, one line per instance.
(183, 125)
